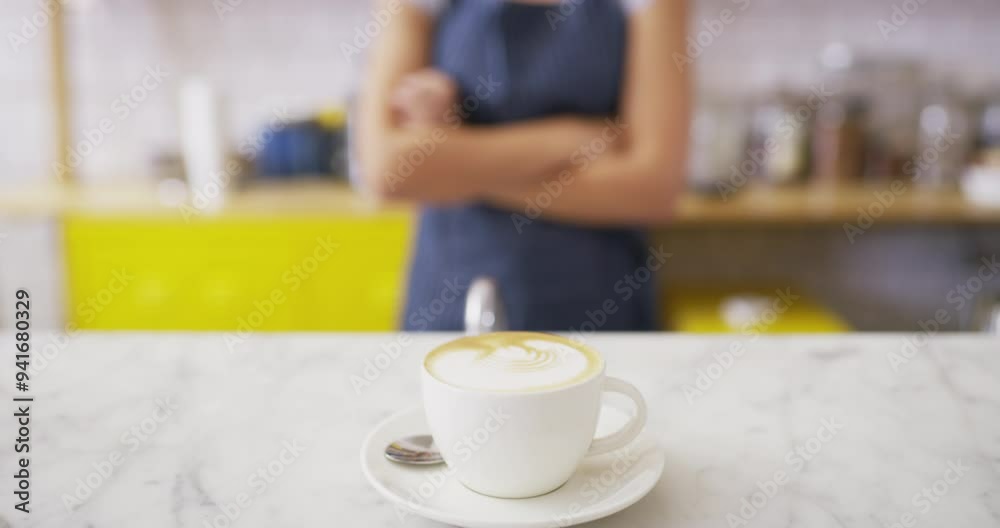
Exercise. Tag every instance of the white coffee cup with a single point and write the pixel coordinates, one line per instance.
(518, 444)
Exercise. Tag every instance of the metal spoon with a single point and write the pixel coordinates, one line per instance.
(418, 450)
(483, 313)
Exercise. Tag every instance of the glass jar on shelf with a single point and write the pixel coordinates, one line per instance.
(839, 141)
(779, 139)
(891, 88)
(946, 137)
(840, 132)
(718, 145)
(988, 143)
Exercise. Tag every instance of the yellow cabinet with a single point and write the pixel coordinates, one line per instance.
(749, 310)
(236, 272)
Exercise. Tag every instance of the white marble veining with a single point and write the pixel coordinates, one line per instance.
(288, 404)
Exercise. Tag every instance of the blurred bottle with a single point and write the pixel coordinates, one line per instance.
(718, 145)
(980, 182)
(779, 139)
(840, 133)
(988, 143)
(946, 138)
(839, 141)
(893, 131)
(202, 143)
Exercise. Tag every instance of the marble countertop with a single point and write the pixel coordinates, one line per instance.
(193, 430)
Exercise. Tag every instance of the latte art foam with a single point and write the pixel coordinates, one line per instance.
(513, 361)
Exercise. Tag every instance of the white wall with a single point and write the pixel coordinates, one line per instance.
(30, 259)
(26, 131)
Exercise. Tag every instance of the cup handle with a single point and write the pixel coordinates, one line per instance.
(631, 429)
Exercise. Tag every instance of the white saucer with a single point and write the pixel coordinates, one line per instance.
(603, 485)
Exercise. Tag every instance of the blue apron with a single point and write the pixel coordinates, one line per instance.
(530, 61)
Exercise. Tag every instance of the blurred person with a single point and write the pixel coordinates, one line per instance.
(489, 112)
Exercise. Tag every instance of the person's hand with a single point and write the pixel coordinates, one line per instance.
(424, 98)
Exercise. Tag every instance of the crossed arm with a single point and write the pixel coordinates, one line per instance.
(412, 147)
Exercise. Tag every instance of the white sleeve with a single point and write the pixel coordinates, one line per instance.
(431, 7)
(632, 6)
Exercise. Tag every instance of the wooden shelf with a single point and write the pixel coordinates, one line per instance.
(751, 206)
(278, 198)
(817, 205)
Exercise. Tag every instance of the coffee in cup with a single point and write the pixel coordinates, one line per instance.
(514, 413)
